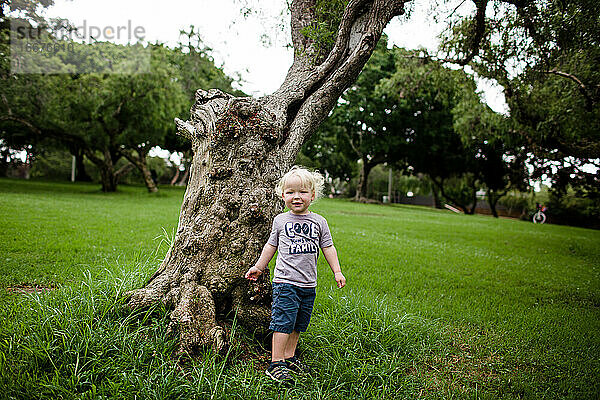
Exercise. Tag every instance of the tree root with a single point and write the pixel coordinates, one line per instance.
(194, 319)
(193, 316)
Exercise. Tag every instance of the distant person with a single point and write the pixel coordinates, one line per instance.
(297, 236)
(540, 207)
(539, 217)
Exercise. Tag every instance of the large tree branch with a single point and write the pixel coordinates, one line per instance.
(347, 38)
(50, 130)
(131, 157)
(361, 40)
(124, 170)
(303, 74)
(109, 160)
(352, 145)
(22, 121)
(589, 100)
(475, 35)
(361, 18)
(92, 157)
(303, 15)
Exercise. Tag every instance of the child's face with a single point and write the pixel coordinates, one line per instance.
(296, 196)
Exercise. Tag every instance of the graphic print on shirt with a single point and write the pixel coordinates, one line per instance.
(303, 237)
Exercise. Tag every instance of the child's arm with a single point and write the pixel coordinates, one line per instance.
(330, 254)
(263, 261)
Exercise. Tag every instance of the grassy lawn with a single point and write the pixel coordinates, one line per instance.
(437, 306)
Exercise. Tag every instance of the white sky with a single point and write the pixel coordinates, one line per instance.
(236, 42)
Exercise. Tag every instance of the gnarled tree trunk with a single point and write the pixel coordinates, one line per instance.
(224, 222)
(242, 146)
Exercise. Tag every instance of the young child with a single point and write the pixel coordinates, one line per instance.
(297, 235)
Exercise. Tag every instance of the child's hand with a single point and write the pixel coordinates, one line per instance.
(339, 278)
(253, 273)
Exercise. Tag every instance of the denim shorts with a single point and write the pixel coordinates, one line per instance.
(292, 307)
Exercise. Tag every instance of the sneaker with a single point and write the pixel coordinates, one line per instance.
(296, 365)
(278, 371)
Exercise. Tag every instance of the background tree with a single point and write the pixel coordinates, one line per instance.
(14, 139)
(428, 92)
(366, 122)
(545, 55)
(327, 152)
(117, 109)
(399, 112)
(133, 114)
(26, 96)
(107, 116)
(404, 109)
(498, 153)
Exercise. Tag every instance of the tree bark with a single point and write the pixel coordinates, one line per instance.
(437, 202)
(493, 207)
(225, 220)
(242, 146)
(473, 198)
(81, 174)
(108, 177)
(108, 180)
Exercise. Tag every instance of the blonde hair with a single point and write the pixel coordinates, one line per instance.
(310, 180)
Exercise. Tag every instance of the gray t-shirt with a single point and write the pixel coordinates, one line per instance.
(298, 239)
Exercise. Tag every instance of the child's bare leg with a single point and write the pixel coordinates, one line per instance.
(279, 346)
(292, 342)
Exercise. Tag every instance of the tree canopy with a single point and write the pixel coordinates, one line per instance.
(423, 117)
(108, 102)
(545, 54)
